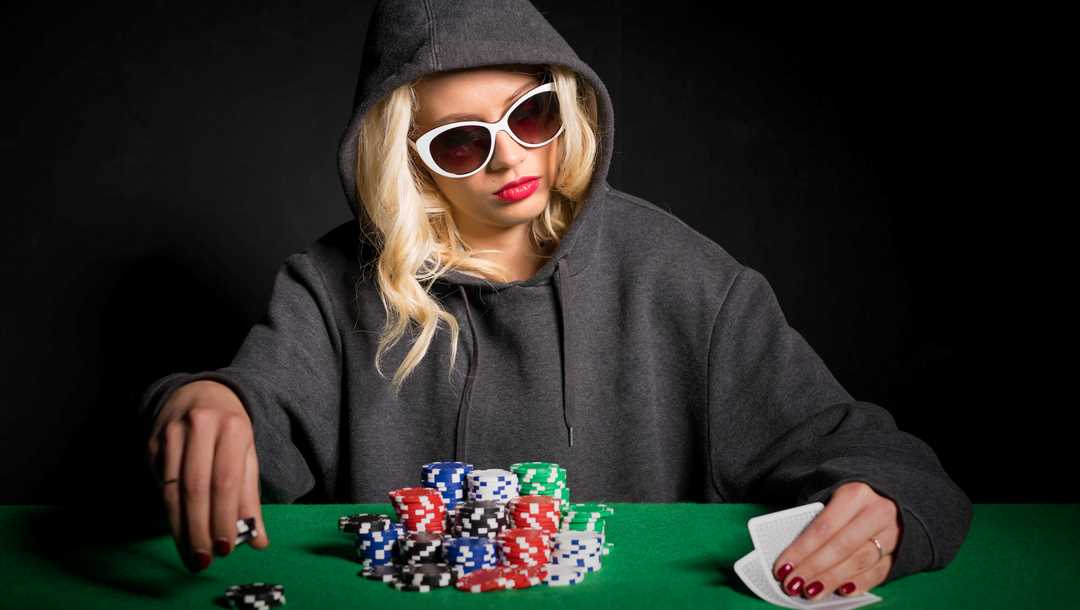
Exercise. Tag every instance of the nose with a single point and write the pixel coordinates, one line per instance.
(508, 153)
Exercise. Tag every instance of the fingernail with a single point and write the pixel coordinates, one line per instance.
(202, 560)
(221, 547)
(794, 586)
(813, 589)
(846, 588)
(784, 571)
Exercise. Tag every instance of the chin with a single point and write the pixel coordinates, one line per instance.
(527, 208)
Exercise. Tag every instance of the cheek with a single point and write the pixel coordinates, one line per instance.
(552, 161)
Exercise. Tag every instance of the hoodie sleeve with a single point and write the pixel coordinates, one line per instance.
(783, 430)
(287, 375)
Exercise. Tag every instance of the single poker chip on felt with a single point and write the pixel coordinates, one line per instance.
(256, 595)
(482, 581)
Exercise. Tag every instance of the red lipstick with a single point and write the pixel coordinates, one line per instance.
(519, 189)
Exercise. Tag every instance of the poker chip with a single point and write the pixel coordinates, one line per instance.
(421, 547)
(386, 572)
(255, 595)
(492, 485)
(245, 531)
(524, 547)
(435, 575)
(482, 581)
(542, 479)
(563, 576)
(479, 519)
(536, 512)
(420, 509)
(379, 547)
(449, 478)
(467, 555)
(523, 577)
(363, 522)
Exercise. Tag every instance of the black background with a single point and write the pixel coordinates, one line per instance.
(886, 172)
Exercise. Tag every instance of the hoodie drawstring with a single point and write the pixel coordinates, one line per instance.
(461, 437)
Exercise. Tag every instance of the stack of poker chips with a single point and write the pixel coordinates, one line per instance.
(492, 485)
(542, 479)
(449, 479)
(245, 531)
(255, 596)
(377, 545)
(423, 577)
(467, 555)
(523, 546)
(479, 519)
(504, 529)
(420, 547)
(586, 517)
(577, 550)
(420, 509)
(537, 512)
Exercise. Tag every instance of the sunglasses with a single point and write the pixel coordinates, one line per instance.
(459, 150)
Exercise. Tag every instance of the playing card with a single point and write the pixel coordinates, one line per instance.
(771, 535)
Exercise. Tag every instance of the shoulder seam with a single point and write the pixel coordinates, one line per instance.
(652, 207)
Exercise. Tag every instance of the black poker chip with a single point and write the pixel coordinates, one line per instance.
(386, 573)
(245, 531)
(255, 595)
(361, 523)
(426, 574)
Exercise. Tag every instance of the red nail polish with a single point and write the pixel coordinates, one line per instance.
(202, 560)
(784, 571)
(814, 588)
(221, 547)
(795, 585)
(846, 588)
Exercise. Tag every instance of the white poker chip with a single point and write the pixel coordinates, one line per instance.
(563, 576)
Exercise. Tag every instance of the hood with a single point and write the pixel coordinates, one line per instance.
(407, 39)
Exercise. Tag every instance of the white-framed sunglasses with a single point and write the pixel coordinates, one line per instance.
(459, 150)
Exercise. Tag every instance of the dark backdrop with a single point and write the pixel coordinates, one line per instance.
(162, 161)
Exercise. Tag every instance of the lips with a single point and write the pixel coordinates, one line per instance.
(522, 191)
(518, 182)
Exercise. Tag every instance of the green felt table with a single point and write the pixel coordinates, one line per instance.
(665, 556)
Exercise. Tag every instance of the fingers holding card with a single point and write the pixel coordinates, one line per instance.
(771, 535)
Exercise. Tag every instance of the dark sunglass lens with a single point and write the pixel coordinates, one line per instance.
(537, 119)
(462, 149)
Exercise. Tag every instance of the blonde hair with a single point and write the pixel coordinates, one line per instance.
(408, 219)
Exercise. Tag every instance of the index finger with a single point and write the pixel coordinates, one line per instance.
(249, 499)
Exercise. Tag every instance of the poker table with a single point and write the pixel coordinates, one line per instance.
(664, 556)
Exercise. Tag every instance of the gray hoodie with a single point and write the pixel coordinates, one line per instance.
(643, 357)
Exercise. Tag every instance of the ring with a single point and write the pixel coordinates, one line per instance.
(881, 552)
(164, 483)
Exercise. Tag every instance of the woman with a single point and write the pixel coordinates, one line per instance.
(599, 331)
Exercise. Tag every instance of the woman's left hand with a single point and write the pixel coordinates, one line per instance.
(835, 553)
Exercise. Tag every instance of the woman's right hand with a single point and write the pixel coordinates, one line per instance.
(202, 448)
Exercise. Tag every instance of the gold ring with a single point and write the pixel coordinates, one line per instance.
(164, 483)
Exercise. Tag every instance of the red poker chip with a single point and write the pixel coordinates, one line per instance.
(523, 577)
(482, 581)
